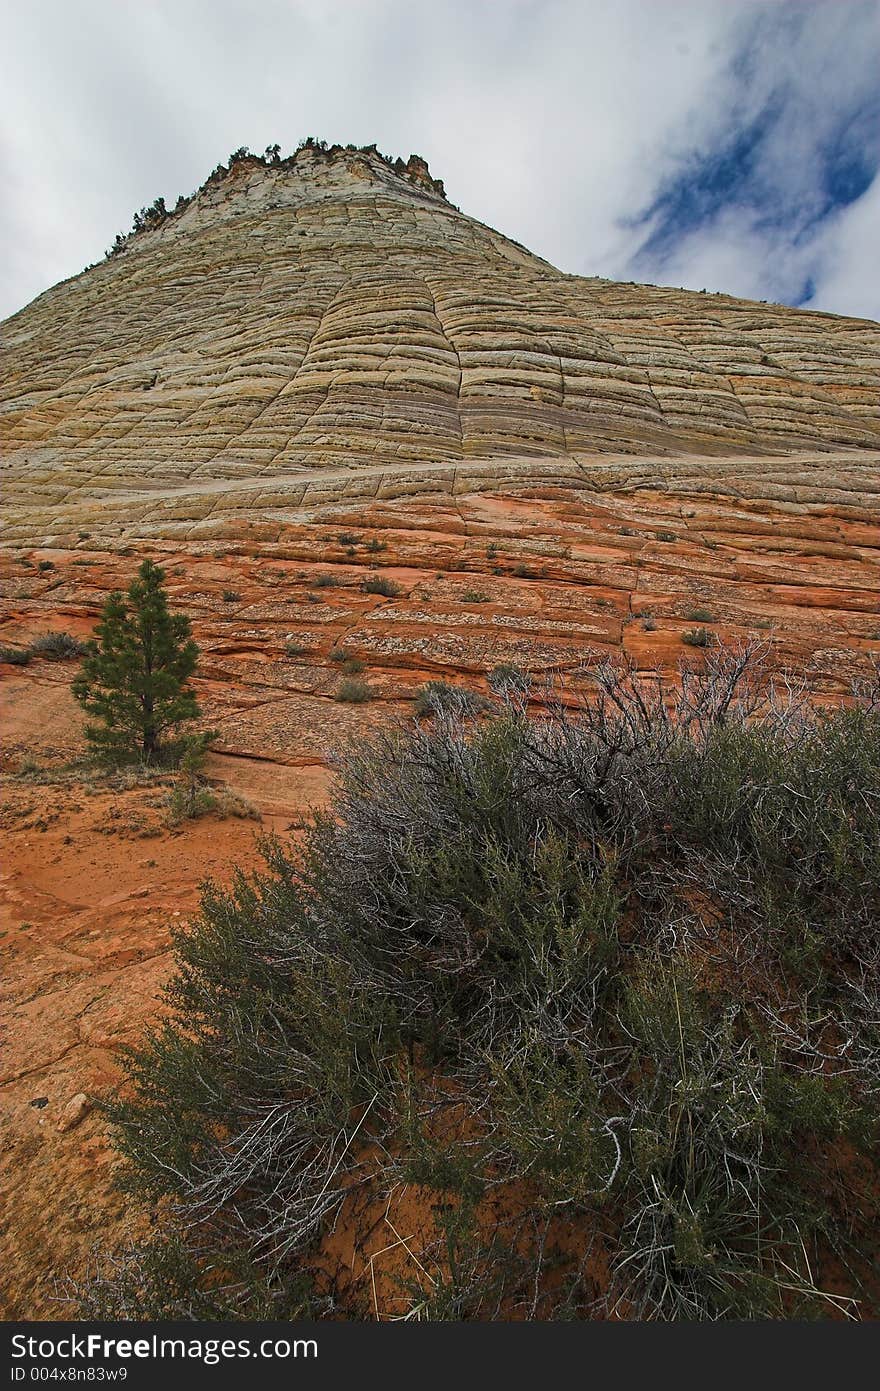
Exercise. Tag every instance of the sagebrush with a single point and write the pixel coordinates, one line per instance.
(602, 986)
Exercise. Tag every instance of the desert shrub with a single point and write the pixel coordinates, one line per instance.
(353, 692)
(348, 538)
(230, 803)
(374, 545)
(352, 666)
(325, 581)
(650, 623)
(440, 698)
(58, 647)
(231, 596)
(474, 596)
(604, 981)
(14, 656)
(508, 679)
(187, 802)
(46, 565)
(295, 649)
(522, 572)
(191, 797)
(665, 536)
(700, 616)
(380, 584)
(698, 637)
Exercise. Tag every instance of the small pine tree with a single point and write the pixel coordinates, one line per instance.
(133, 679)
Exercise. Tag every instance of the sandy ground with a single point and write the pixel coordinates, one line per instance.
(93, 882)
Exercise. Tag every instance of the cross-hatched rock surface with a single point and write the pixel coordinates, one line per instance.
(303, 330)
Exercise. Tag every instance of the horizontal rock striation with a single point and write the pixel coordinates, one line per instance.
(330, 316)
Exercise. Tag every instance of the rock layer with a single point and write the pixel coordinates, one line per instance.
(299, 326)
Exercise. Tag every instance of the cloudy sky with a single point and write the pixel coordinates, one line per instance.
(722, 144)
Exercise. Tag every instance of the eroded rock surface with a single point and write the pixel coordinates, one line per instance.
(295, 325)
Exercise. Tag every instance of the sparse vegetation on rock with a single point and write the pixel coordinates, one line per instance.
(380, 584)
(351, 691)
(442, 698)
(54, 647)
(58, 647)
(14, 656)
(698, 637)
(508, 679)
(414, 170)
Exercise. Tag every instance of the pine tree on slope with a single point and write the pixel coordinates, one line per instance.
(133, 680)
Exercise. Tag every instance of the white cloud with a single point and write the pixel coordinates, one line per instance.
(848, 275)
(553, 120)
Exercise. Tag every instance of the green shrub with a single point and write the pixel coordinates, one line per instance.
(508, 678)
(700, 616)
(353, 692)
(439, 697)
(230, 596)
(698, 637)
(58, 647)
(325, 581)
(192, 798)
(665, 536)
(599, 983)
(295, 649)
(352, 666)
(347, 539)
(185, 802)
(380, 584)
(474, 596)
(46, 565)
(14, 656)
(374, 545)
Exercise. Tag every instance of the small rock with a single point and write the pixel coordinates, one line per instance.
(76, 1109)
(40, 1102)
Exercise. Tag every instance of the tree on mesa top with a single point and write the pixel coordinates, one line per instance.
(133, 680)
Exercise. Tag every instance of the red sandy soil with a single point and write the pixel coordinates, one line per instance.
(93, 879)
